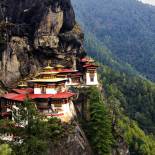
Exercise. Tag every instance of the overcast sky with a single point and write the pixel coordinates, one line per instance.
(149, 1)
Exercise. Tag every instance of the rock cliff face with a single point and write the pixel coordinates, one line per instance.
(43, 31)
(74, 144)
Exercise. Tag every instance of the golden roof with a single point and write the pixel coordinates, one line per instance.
(48, 73)
(59, 66)
(48, 67)
(49, 80)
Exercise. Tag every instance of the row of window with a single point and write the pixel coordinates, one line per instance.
(48, 86)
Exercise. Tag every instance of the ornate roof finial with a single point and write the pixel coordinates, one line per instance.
(48, 68)
(49, 62)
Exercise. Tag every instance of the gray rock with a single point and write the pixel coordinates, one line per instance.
(42, 31)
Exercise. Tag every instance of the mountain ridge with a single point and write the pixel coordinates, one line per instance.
(126, 28)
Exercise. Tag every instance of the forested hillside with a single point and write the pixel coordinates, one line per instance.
(134, 94)
(128, 110)
(126, 28)
(131, 98)
(121, 34)
(102, 54)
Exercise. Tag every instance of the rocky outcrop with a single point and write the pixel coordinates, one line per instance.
(43, 31)
(121, 147)
(73, 144)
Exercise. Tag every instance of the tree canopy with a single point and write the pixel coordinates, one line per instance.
(98, 126)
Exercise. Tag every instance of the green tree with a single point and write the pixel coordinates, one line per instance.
(35, 134)
(130, 96)
(5, 149)
(98, 127)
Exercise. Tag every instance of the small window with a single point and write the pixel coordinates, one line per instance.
(57, 105)
(43, 89)
(92, 79)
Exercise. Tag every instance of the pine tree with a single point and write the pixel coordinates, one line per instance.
(98, 128)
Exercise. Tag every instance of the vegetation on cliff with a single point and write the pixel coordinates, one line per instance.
(37, 136)
(139, 143)
(130, 98)
(107, 124)
(136, 95)
(5, 149)
(97, 123)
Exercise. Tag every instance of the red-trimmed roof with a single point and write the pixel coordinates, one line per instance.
(62, 95)
(13, 96)
(22, 97)
(78, 74)
(23, 90)
(90, 65)
(35, 96)
(86, 59)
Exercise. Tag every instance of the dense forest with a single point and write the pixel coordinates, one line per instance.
(130, 100)
(102, 54)
(136, 96)
(108, 121)
(122, 39)
(126, 28)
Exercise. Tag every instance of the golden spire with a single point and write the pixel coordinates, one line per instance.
(48, 67)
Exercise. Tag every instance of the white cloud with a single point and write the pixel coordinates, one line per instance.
(149, 1)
